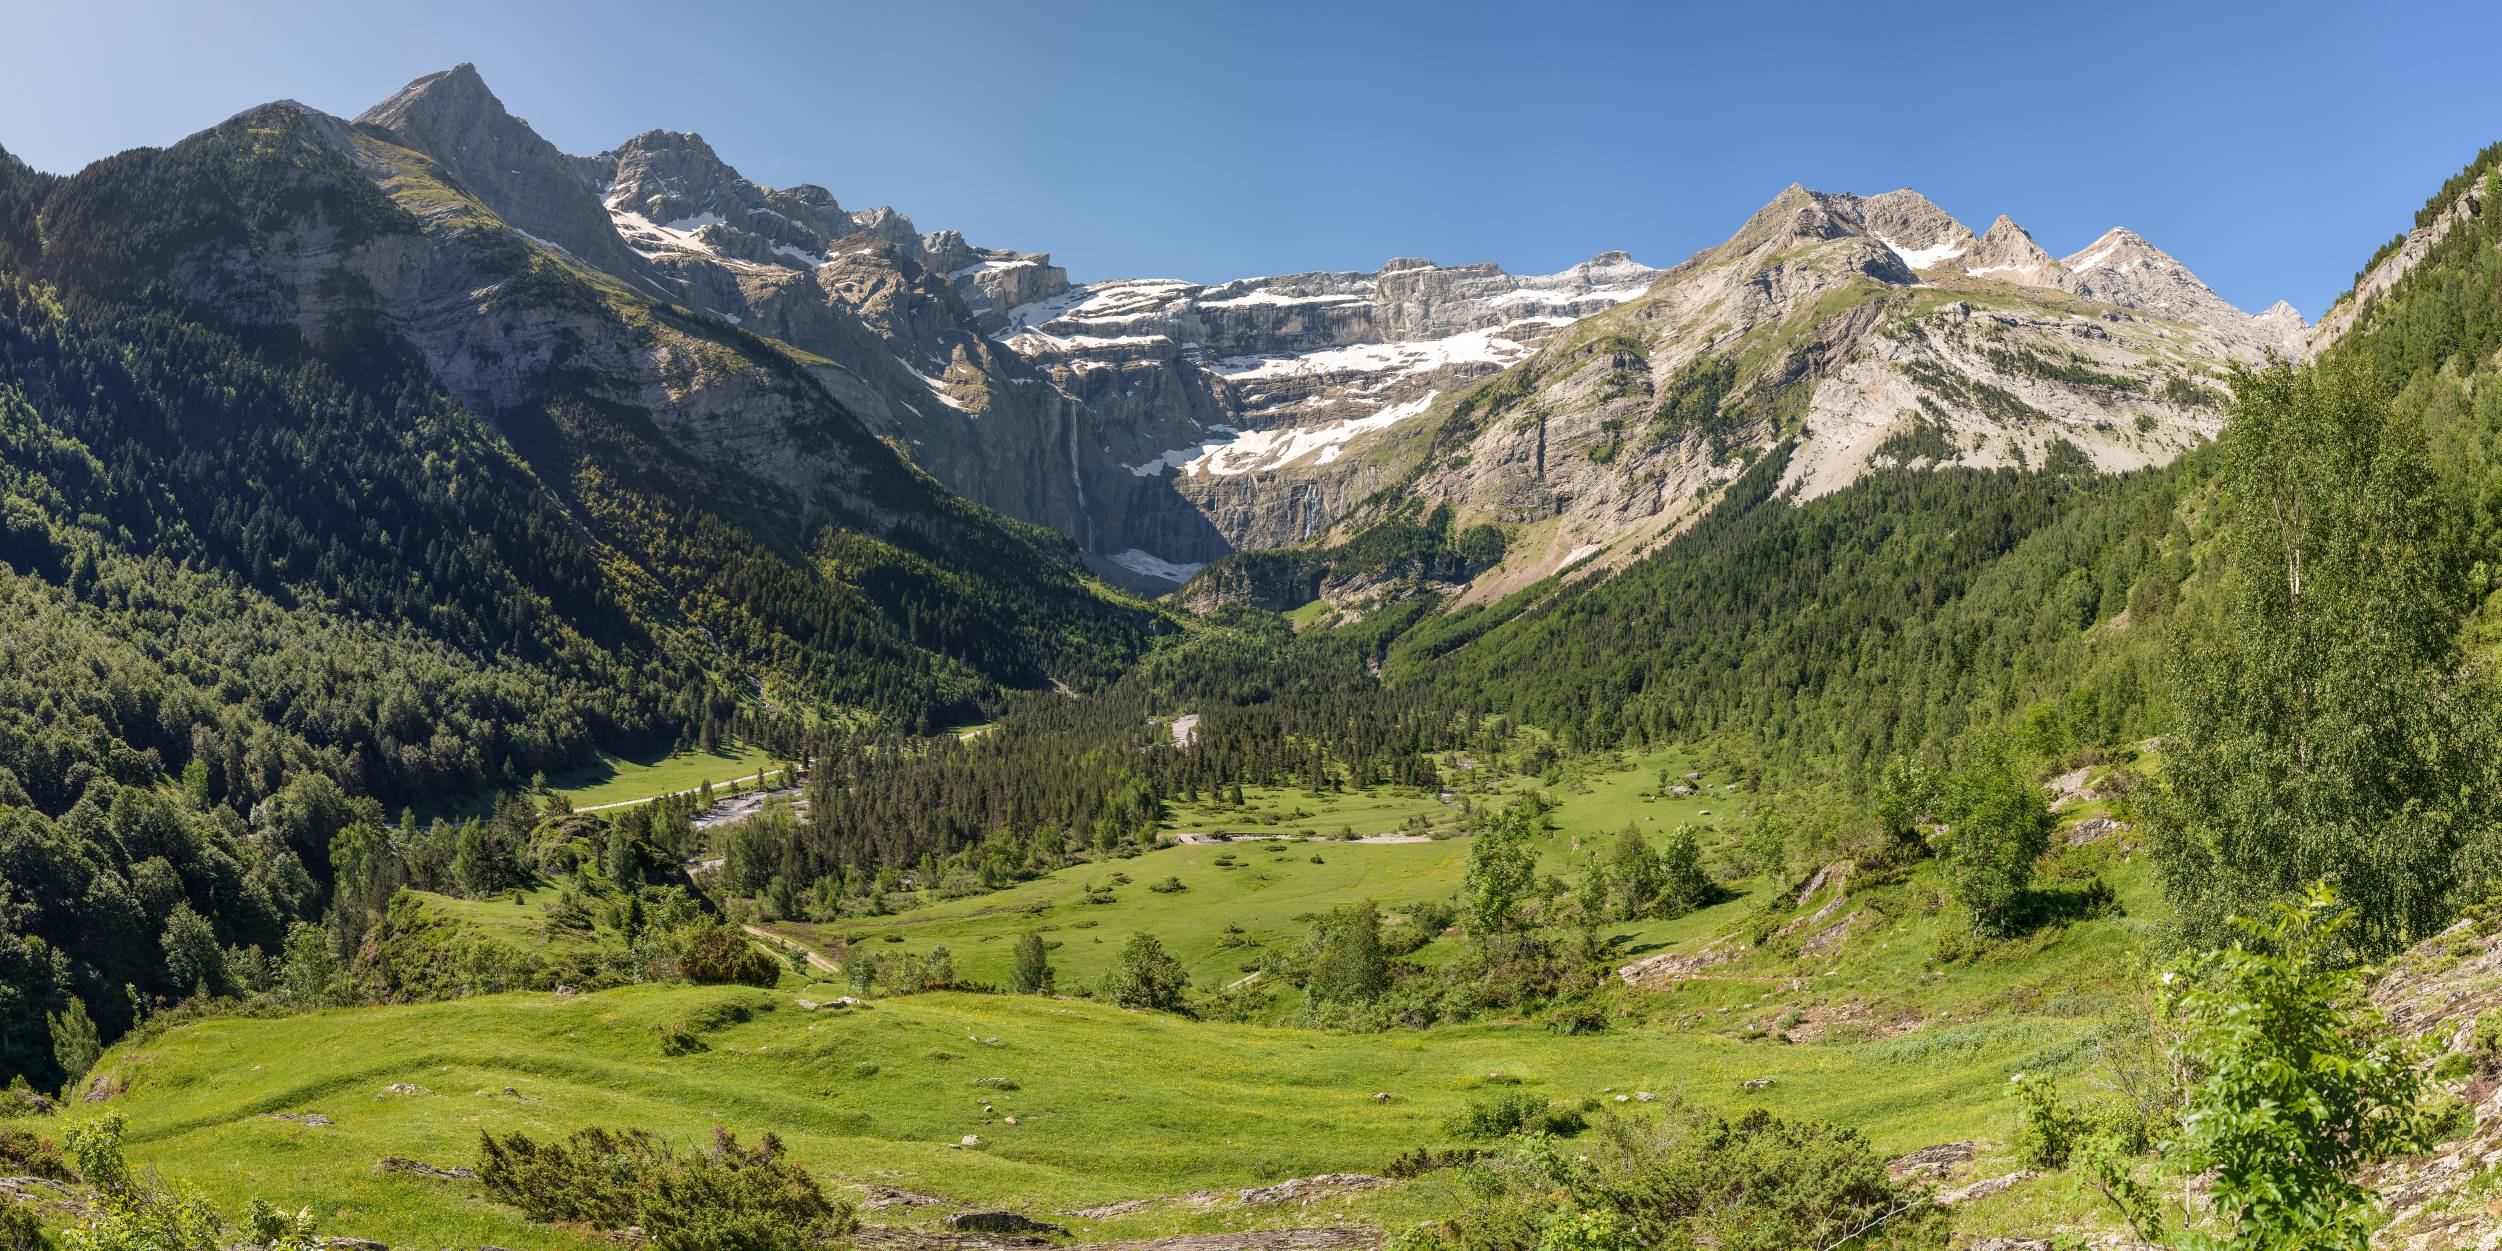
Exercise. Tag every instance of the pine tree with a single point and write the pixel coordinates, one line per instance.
(1032, 975)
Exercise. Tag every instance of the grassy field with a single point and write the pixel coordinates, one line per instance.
(1259, 889)
(1110, 1105)
(618, 779)
(1861, 1006)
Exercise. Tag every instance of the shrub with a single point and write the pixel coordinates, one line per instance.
(21, 1229)
(2048, 1127)
(724, 956)
(722, 1198)
(1418, 1161)
(22, 1154)
(1578, 1016)
(1513, 1112)
(1690, 1179)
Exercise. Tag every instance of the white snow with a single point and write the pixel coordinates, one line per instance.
(2096, 259)
(1148, 564)
(1923, 258)
(1272, 297)
(632, 224)
(1548, 295)
(1260, 450)
(1416, 356)
(937, 386)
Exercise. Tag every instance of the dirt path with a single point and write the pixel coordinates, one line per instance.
(815, 961)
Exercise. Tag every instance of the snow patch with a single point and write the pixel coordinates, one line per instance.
(1923, 258)
(1488, 347)
(1150, 565)
(1260, 450)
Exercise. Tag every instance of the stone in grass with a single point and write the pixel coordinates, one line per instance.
(970, 1140)
(1000, 1223)
(1758, 1083)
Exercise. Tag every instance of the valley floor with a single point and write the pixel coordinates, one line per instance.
(1833, 1003)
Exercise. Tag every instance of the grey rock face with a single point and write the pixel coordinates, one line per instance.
(453, 118)
(2007, 253)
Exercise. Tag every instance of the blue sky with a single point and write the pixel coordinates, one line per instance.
(2269, 147)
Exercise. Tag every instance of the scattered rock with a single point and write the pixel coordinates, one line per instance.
(566, 992)
(1307, 1189)
(1001, 1223)
(970, 1140)
(404, 1088)
(1932, 1163)
(1107, 1211)
(1986, 1187)
(1758, 1083)
(2094, 830)
(314, 1119)
(1643, 1096)
(1008, 1120)
(883, 1197)
(402, 1164)
(1381, 1096)
(354, 1244)
(105, 1086)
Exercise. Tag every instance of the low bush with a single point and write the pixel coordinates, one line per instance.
(23, 1154)
(724, 1197)
(723, 956)
(1513, 1112)
(1688, 1179)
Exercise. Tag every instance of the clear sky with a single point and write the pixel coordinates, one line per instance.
(2269, 147)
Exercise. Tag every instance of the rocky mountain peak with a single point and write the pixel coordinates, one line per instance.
(1919, 232)
(2118, 249)
(454, 118)
(2008, 253)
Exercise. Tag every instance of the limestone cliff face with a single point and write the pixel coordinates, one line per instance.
(1163, 424)
(2389, 270)
(453, 118)
(1864, 331)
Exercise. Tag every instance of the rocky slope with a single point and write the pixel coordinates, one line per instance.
(1868, 331)
(1164, 423)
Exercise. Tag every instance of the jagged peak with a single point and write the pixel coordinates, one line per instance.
(657, 139)
(2282, 311)
(2115, 246)
(2005, 227)
(458, 87)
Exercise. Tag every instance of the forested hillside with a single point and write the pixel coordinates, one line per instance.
(267, 578)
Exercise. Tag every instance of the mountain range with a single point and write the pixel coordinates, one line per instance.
(1163, 424)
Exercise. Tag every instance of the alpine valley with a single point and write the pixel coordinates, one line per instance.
(562, 700)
